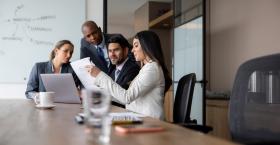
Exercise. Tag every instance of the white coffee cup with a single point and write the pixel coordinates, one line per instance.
(44, 99)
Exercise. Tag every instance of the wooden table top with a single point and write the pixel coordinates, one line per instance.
(23, 124)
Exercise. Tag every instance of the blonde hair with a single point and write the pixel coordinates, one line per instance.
(58, 45)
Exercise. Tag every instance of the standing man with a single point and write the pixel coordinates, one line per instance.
(93, 45)
(124, 68)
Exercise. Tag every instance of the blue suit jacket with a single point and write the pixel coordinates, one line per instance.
(89, 50)
(35, 83)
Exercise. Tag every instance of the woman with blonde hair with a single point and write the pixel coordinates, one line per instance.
(58, 63)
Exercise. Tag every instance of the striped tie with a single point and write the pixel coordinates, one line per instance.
(117, 73)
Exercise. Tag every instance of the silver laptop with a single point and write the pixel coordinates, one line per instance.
(64, 87)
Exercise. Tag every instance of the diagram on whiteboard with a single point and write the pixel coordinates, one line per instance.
(24, 26)
(29, 30)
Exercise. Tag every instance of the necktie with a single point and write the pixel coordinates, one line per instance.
(117, 72)
(101, 55)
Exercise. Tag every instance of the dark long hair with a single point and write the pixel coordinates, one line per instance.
(150, 44)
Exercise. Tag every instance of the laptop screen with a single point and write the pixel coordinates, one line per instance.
(64, 87)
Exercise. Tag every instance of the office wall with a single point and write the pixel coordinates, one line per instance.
(94, 11)
(126, 30)
(240, 30)
(27, 29)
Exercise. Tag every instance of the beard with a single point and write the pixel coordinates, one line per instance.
(119, 61)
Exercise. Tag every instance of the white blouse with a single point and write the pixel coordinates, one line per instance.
(145, 94)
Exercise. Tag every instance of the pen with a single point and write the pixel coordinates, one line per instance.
(117, 122)
(79, 119)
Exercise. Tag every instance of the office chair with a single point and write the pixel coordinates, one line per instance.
(254, 113)
(183, 103)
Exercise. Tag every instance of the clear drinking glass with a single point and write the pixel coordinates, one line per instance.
(106, 130)
(96, 103)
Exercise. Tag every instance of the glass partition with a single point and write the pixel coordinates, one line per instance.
(188, 50)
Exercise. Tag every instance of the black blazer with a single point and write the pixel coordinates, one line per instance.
(35, 83)
(129, 71)
(89, 50)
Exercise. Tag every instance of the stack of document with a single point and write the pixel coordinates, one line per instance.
(117, 118)
(126, 118)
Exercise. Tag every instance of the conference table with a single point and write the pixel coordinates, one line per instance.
(21, 123)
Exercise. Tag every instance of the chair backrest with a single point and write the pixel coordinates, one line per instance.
(183, 99)
(254, 112)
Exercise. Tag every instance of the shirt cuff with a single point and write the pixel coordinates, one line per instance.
(101, 76)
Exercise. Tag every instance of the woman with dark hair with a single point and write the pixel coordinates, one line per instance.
(58, 63)
(145, 94)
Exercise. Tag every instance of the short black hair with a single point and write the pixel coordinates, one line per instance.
(121, 40)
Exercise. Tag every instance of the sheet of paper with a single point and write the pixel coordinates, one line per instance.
(126, 117)
(80, 70)
(123, 114)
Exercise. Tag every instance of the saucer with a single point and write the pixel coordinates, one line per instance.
(45, 106)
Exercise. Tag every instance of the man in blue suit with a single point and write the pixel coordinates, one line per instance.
(124, 68)
(93, 45)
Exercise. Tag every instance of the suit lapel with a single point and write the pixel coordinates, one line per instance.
(123, 72)
(97, 61)
(93, 50)
(49, 67)
(64, 68)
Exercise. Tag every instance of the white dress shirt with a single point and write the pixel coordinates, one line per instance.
(119, 69)
(145, 94)
(102, 45)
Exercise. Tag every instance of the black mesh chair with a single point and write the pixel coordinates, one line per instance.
(183, 103)
(254, 114)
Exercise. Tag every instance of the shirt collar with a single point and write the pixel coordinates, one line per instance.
(119, 67)
(102, 44)
(53, 67)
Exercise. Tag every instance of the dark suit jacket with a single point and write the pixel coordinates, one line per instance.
(129, 71)
(35, 83)
(89, 50)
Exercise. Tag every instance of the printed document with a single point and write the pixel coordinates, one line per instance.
(79, 66)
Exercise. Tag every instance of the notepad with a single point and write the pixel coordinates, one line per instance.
(126, 118)
(117, 118)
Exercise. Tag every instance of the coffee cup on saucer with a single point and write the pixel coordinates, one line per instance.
(44, 100)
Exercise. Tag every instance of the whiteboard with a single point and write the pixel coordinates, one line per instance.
(29, 30)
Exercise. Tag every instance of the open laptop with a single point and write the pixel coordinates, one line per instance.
(64, 87)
